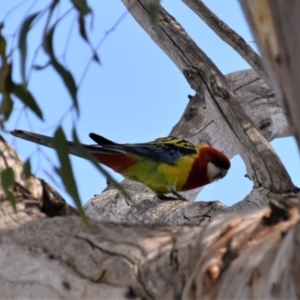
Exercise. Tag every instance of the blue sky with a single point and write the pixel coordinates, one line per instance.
(136, 95)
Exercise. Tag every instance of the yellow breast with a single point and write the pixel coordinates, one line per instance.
(175, 175)
(159, 176)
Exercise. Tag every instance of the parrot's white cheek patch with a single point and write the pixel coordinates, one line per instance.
(213, 172)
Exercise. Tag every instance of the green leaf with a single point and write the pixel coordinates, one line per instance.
(96, 57)
(26, 173)
(66, 76)
(6, 105)
(66, 172)
(153, 8)
(82, 30)
(6, 82)
(6, 85)
(41, 67)
(26, 97)
(2, 47)
(91, 158)
(82, 6)
(51, 10)
(25, 28)
(8, 181)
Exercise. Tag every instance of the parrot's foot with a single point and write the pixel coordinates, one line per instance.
(168, 198)
(179, 197)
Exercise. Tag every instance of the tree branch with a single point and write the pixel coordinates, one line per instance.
(61, 258)
(197, 123)
(263, 165)
(235, 256)
(275, 26)
(229, 36)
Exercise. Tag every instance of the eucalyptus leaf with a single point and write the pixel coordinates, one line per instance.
(25, 28)
(6, 105)
(82, 6)
(153, 8)
(66, 76)
(65, 170)
(2, 47)
(92, 159)
(8, 182)
(26, 97)
(26, 173)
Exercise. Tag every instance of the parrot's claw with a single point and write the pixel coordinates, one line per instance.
(168, 198)
(179, 197)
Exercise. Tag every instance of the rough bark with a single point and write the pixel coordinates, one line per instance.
(46, 251)
(229, 36)
(9, 158)
(275, 26)
(47, 200)
(253, 255)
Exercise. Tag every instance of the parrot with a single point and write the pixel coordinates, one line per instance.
(167, 165)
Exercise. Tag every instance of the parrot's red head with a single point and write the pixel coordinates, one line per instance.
(210, 165)
(218, 163)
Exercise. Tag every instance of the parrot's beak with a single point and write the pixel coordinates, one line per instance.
(215, 173)
(223, 173)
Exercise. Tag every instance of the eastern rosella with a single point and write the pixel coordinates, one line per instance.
(166, 165)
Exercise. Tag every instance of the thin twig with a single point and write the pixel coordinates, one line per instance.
(32, 62)
(68, 40)
(12, 9)
(61, 119)
(19, 26)
(106, 34)
(229, 36)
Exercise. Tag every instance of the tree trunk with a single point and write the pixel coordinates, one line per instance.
(275, 25)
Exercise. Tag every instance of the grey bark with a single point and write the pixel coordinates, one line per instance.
(275, 25)
(229, 36)
(198, 124)
(249, 255)
(46, 251)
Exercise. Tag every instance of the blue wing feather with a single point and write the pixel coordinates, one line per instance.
(166, 149)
